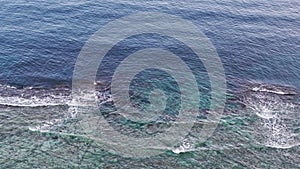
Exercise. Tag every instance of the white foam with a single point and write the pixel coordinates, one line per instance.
(276, 89)
(261, 108)
(283, 146)
(186, 145)
(33, 101)
(30, 97)
(279, 136)
(274, 128)
(47, 125)
(258, 89)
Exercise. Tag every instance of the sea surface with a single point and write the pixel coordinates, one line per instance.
(258, 42)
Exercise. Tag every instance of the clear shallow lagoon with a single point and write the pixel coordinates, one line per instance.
(257, 41)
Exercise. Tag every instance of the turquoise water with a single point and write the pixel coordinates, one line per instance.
(257, 42)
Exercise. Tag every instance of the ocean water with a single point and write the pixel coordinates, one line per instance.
(258, 43)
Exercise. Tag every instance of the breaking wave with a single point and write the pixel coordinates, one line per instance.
(33, 97)
(277, 109)
(41, 97)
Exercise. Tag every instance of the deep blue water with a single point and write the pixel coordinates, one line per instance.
(256, 40)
